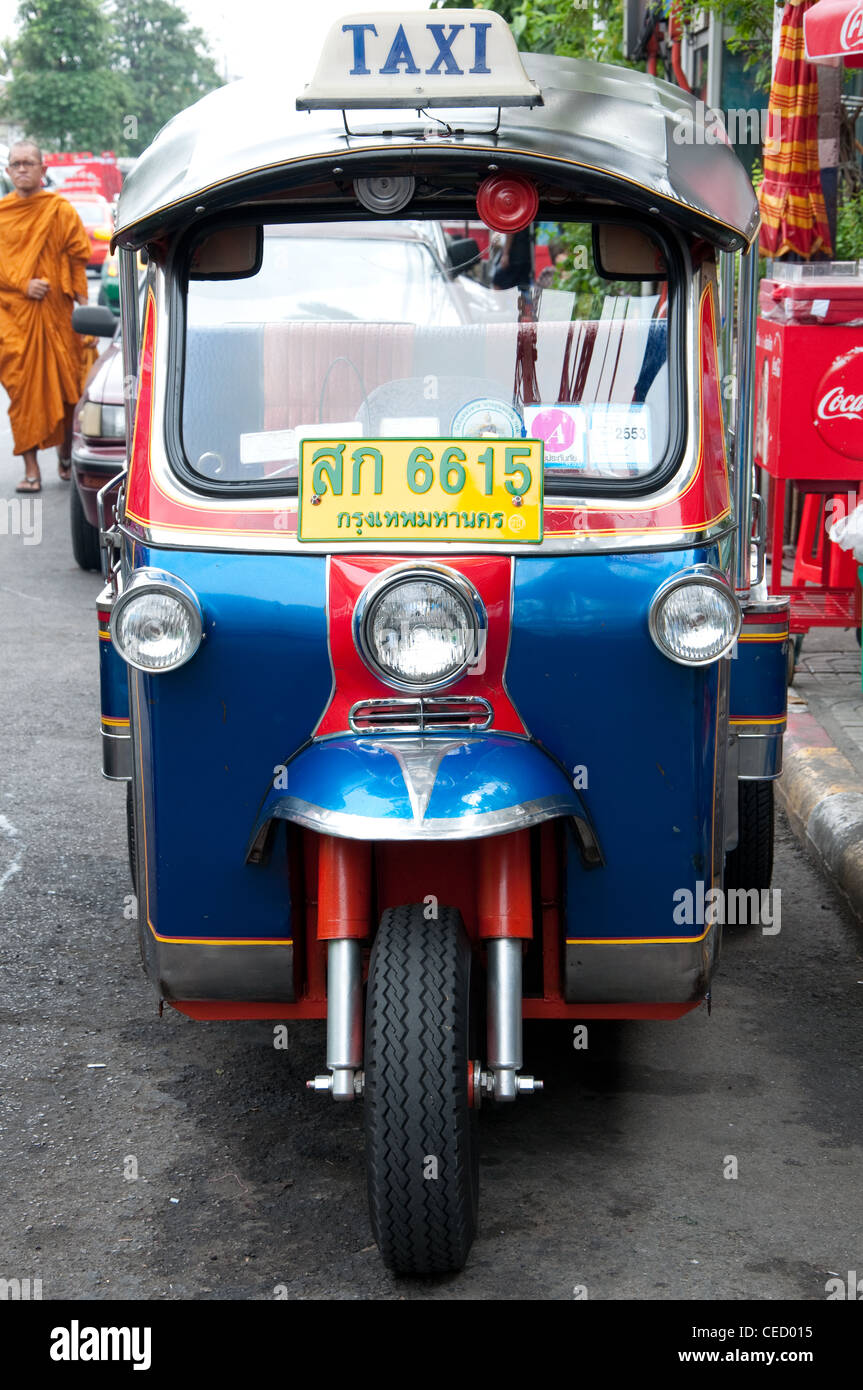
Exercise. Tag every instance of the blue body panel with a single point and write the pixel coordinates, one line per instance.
(208, 737)
(594, 689)
(759, 680)
(588, 681)
(113, 682)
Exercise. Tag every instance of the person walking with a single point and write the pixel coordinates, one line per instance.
(44, 251)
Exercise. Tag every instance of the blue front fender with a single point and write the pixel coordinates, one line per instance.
(425, 788)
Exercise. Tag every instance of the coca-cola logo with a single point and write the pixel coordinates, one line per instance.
(837, 403)
(851, 35)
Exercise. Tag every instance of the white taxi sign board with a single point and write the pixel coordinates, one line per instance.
(419, 59)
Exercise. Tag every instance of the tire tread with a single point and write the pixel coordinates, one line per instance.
(416, 1092)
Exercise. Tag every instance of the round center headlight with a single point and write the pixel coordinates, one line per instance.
(420, 631)
(695, 619)
(156, 623)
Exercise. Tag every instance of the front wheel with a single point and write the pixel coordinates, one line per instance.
(421, 1143)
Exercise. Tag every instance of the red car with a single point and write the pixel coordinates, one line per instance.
(95, 212)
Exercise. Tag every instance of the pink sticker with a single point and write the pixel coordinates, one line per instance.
(556, 427)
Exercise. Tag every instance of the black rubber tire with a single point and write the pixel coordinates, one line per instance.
(794, 645)
(85, 538)
(419, 1022)
(130, 836)
(750, 865)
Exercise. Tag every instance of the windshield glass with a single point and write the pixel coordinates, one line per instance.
(93, 214)
(363, 330)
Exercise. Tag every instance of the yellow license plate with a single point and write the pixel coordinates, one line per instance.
(430, 491)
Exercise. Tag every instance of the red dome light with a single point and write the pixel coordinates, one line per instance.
(507, 202)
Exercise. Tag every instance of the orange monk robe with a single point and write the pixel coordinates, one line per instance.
(43, 361)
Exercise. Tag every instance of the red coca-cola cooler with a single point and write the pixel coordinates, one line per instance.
(809, 429)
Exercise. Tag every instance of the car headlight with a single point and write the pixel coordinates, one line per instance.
(695, 618)
(97, 421)
(420, 628)
(156, 623)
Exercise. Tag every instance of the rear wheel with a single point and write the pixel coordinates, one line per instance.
(750, 865)
(421, 1141)
(85, 538)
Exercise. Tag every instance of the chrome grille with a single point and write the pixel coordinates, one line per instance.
(421, 714)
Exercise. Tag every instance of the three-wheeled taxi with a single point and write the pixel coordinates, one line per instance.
(432, 649)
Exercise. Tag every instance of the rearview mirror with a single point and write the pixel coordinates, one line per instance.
(233, 253)
(463, 253)
(94, 320)
(621, 252)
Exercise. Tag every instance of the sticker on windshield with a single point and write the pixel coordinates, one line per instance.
(401, 426)
(563, 429)
(283, 446)
(487, 418)
(618, 440)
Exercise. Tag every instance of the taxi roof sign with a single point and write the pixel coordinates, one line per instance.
(381, 60)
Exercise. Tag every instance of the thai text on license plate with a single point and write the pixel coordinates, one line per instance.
(429, 491)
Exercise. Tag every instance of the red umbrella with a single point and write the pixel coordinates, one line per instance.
(834, 29)
(793, 215)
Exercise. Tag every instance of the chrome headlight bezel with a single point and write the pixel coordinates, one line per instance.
(156, 581)
(414, 572)
(702, 575)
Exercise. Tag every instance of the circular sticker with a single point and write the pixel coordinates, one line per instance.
(487, 418)
(838, 404)
(557, 427)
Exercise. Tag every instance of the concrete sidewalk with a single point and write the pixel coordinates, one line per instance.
(821, 788)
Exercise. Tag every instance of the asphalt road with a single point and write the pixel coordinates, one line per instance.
(613, 1179)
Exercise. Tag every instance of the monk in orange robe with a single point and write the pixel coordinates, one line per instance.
(44, 251)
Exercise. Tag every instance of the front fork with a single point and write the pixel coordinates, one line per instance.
(505, 916)
(344, 902)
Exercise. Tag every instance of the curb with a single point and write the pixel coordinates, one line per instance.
(821, 794)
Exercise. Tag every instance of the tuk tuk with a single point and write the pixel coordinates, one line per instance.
(435, 651)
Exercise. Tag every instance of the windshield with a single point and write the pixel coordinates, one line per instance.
(93, 214)
(363, 330)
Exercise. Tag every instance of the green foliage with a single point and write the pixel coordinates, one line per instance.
(576, 273)
(84, 76)
(849, 229)
(749, 26)
(571, 28)
(165, 64)
(62, 91)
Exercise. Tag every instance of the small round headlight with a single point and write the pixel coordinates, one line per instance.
(421, 630)
(156, 623)
(695, 619)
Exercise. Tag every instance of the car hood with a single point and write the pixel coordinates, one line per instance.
(105, 382)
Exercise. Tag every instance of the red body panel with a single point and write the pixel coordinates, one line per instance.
(491, 576)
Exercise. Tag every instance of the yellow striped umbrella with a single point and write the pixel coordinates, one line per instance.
(793, 216)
